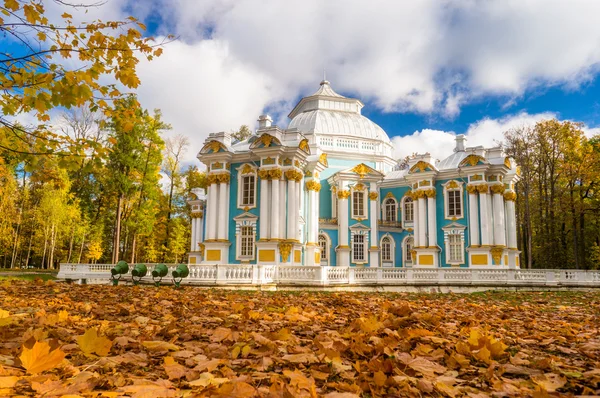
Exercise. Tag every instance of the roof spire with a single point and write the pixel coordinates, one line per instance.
(324, 81)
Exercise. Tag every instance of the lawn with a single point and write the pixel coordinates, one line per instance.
(58, 339)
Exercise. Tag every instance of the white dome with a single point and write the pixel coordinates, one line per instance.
(336, 123)
(326, 113)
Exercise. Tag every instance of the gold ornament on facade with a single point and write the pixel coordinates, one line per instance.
(497, 254)
(323, 159)
(518, 170)
(362, 170)
(497, 189)
(294, 175)
(390, 195)
(266, 140)
(492, 178)
(308, 173)
(211, 179)
(246, 208)
(247, 169)
(510, 196)
(419, 194)
(430, 193)
(507, 163)
(408, 194)
(472, 188)
(217, 165)
(227, 166)
(424, 183)
(471, 160)
(333, 189)
(452, 185)
(263, 174)
(201, 249)
(482, 188)
(359, 187)
(373, 195)
(304, 145)
(413, 254)
(297, 163)
(275, 174)
(285, 249)
(313, 185)
(343, 194)
(476, 177)
(223, 178)
(268, 161)
(215, 146)
(287, 162)
(421, 166)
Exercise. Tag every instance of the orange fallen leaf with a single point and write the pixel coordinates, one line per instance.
(159, 346)
(549, 381)
(207, 379)
(8, 381)
(305, 357)
(39, 358)
(91, 343)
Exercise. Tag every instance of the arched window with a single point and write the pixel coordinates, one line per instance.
(408, 248)
(387, 254)
(408, 214)
(389, 210)
(324, 245)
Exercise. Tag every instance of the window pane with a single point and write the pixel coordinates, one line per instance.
(248, 191)
(455, 248)
(454, 203)
(358, 204)
(323, 246)
(247, 242)
(358, 248)
(407, 251)
(408, 210)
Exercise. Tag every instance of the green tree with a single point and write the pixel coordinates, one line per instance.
(242, 134)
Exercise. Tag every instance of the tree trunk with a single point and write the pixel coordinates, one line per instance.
(117, 236)
(81, 249)
(133, 249)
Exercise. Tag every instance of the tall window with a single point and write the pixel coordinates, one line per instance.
(455, 248)
(323, 246)
(358, 248)
(386, 249)
(247, 242)
(454, 203)
(408, 249)
(408, 210)
(358, 204)
(248, 194)
(389, 208)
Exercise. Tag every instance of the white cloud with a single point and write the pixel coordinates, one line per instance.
(486, 132)
(233, 59)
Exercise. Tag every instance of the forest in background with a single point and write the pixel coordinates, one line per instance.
(103, 183)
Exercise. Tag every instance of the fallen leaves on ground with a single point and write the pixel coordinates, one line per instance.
(76, 340)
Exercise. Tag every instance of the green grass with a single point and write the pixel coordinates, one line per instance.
(21, 270)
(28, 277)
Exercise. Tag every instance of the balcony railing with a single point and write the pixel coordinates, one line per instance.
(235, 274)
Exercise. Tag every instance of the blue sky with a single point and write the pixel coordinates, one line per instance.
(426, 70)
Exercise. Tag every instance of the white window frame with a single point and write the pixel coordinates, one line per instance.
(388, 262)
(327, 259)
(407, 259)
(453, 186)
(240, 186)
(356, 260)
(454, 230)
(384, 209)
(238, 239)
(365, 209)
(405, 223)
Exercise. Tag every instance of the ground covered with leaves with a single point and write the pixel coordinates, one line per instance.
(76, 340)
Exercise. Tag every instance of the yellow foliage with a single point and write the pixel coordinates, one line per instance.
(40, 358)
(91, 343)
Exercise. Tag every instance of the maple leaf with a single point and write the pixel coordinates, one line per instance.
(90, 343)
(305, 357)
(5, 318)
(8, 381)
(40, 358)
(207, 379)
(158, 346)
(173, 369)
(550, 382)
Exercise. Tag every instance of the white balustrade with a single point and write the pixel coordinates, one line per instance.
(251, 274)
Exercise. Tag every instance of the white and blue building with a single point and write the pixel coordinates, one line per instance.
(327, 191)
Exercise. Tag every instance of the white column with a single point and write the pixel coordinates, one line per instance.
(193, 240)
(222, 213)
(282, 208)
(264, 209)
(374, 220)
(299, 208)
(483, 211)
(374, 255)
(473, 219)
(511, 224)
(422, 222)
(212, 212)
(417, 241)
(431, 221)
(275, 232)
(499, 226)
(343, 255)
(490, 217)
(291, 224)
(311, 231)
(226, 202)
(200, 231)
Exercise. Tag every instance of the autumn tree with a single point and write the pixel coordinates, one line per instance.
(242, 134)
(65, 64)
(175, 149)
